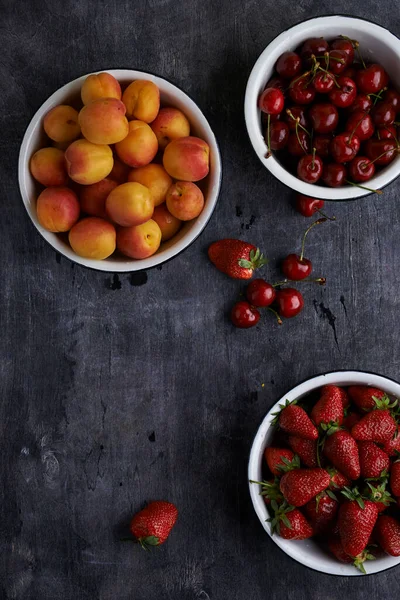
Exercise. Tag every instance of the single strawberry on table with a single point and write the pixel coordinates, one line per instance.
(152, 525)
(294, 420)
(357, 518)
(388, 534)
(236, 258)
(301, 485)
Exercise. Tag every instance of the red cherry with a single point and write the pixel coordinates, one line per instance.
(361, 169)
(350, 72)
(271, 101)
(301, 92)
(337, 61)
(362, 102)
(288, 65)
(294, 147)
(316, 46)
(260, 293)
(308, 206)
(372, 79)
(346, 46)
(383, 113)
(243, 315)
(344, 147)
(297, 112)
(277, 82)
(296, 268)
(321, 144)
(361, 124)
(324, 117)
(345, 94)
(278, 135)
(334, 175)
(387, 132)
(382, 152)
(393, 97)
(309, 168)
(323, 83)
(290, 302)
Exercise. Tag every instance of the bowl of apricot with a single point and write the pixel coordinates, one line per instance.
(119, 170)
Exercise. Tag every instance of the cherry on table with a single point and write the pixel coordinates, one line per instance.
(260, 293)
(298, 143)
(372, 79)
(362, 102)
(344, 147)
(361, 124)
(292, 114)
(382, 152)
(295, 268)
(309, 168)
(278, 135)
(324, 117)
(361, 169)
(290, 302)
(338, 61)
(271, 101)
(334, 174)
(387, 132)
(300, 92)
(393, 97)
(288, 65)
(321, 144)
(323, 82)
(384, 113)
(308, 206)
(243, 315)
(345, 94)
(346, 46)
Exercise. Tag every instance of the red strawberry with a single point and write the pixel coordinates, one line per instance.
(392, 447)
(301, 485)
(342, 451)
(305, 449)
(350, 420)
(290, 524)
(321, 512)
(363, 396)
(379, 494)
(395, 478)
(338, 480)
(375, 426)
(329, 407)
(152, 525)
(335, 546)
(294, 420)
(373, 460)
(275, 458)
(356, 524)
(236, 258)
(388, 534)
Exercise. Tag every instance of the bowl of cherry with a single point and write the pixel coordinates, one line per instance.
(322, 107)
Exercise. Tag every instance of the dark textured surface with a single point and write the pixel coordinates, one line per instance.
(118, 390)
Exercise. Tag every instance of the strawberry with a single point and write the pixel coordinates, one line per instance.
(395, 478)
(388, 534)
(375, 426)
(276, 458)
(342, 451)
(305, 449)
(270, 491)
(294, 420)
(338, 480)
(356, 522)
(290, 523)
(321, 512)
(373, 460)
(301, 485)
(350, 420)
(335, 546)
(364, 396)
(379, 494)
(392, 447)
(329, 407)
(236, 258)
(152, 525)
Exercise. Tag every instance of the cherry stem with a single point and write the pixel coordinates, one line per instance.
(378, 96)
(326, 216)
(354, 43)
(331, 75)
(354, 130)
(279, 320)
(298, 137)
(320, 280)
(363, 187)
(318, 222)
(328, 58)
(298, 78)
(313, 158)
(371, 162)
(360, 57)
(297, 119)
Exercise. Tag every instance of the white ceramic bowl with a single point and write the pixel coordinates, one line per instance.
(308, 552)
(171, 95)
(376, 44)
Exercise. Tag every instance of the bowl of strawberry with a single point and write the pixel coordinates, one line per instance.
(324, 473)
(322, 107)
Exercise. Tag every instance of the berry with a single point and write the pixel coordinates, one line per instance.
(382, 152)
(244, 316)
(329, 408)
(388, 534)
(290, 524)
(236, 258)
(376, 426)
(292, 114)
(278, 135)
(341, 450)
(308, 206)
(309, 168)
(301, 485)
(345, 95)
(296, 268)
(356, 524)
(152, 525)
(298, 143)
(393, 97)
(271, 101)
(364, 396)
(386, 132)
(316, 46)
(277, 457)
(392, 447)
(383, 113)
(260, 293)
(324, 117)
(288, 65)
(290, 302)
(338, 60)
(336, 547)
(294, 420)
(373, 460)
(321, 512)
(334, 175)
(361, 103)
(300, 92)
(361, 169)
(346, 46)
(344, 147)
(305, 449)
(321, 144)
(323, 83)
(338, 480)
(361, 124)
(372, 79)
(350, 420)
(395, 479)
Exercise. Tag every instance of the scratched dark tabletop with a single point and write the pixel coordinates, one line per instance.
(116, 390)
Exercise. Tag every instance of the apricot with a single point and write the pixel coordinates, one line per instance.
(61, 124)
(170, 124)
(88, 163)
(47, 166)
(187, 159)
(168, 224)
(103, 121)
(93, 238)
(57, 209)
(185, 200)
(154, 177)
(140, 145)
(142, 100)
(139, 241)
(120, 171)
(93, 197)
(100, 85)
(130, 204)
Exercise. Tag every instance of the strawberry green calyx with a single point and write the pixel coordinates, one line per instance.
(289, 465)
(149, 542)
(379, 494)
(384, 403)
(275, 421)
(280, 515)
(270, 489)
(330, 428)
(353, 495)
(361, 558)
(257, 260)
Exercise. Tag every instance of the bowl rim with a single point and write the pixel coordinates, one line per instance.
(256, 448)
(351, 193)
(102, 267)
